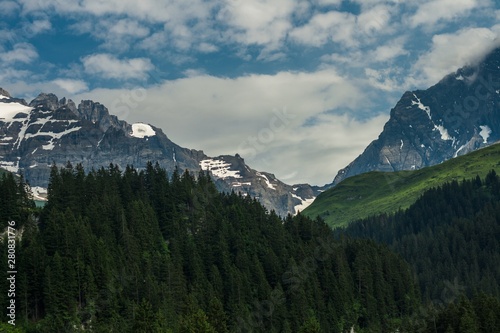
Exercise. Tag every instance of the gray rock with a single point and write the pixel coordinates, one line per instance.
(426, 127)
(57, 132)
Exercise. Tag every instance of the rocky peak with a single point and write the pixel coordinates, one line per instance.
(426, 127)
(97, 113)
(4, 92)
(46, 101)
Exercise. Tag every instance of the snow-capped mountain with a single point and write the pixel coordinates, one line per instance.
(50, 130)
(231, 173)
(459, 114)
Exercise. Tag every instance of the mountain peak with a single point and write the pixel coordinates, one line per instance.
(46, 101)
(457, 115)
(4, 92)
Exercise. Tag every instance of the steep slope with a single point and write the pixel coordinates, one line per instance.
(232, 174)
(426, 127)
(48, 130)
(385, 192)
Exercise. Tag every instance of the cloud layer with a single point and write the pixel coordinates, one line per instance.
(215, 73)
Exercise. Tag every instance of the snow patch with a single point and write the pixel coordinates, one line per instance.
(10, 166)
(39, 193)
(3, 97)
(219, 168)
(9, 110)
(303, 205)
(459, 78)
(269, 185)
(485, 133)
(401, 147)
(55, 136)
(458, 150)
(422, 106)
(444, 133)
(141, 130)
(238, 184)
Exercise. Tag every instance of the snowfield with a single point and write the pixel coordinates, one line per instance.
(141, 130)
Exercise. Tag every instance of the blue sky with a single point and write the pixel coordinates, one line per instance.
(298, 88)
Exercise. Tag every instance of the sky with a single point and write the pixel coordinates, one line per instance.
(298, 88)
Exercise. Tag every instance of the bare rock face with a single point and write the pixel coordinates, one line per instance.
(4, 92)
(426, 127)
(50, 131)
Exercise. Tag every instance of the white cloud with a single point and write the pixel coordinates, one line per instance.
(110, 67)
(434, 11)
(375, 20)
(207, 48)
(117, 35)
(371, 3)
(346, 29)
(71, 86)
(389, 79)
(8, 7)
(126, 27)
(389, 51)
(37, 26)
(325, 27)
(188, 109)
(21, 52)
(260, 22)
(330, 145)
(452, 51)
(154, 42)
(149, 10)
(328, 2)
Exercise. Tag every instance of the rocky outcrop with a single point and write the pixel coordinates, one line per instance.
(426, 127)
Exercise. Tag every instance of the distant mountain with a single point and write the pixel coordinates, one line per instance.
(50, 130)
(376, 192)
(426, 127)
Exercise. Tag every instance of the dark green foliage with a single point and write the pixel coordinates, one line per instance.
(481, 315)
(136, 251)
(452, 233)
(15, 201)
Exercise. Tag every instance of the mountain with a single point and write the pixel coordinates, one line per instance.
(426, 127)
(386, 192)
(49, 130)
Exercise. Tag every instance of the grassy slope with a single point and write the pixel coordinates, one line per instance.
(378, 192)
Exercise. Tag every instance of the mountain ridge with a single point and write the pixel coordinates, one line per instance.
(453, 117)
(50, 130)
(386, 192)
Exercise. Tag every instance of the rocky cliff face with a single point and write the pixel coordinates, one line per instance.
(51, 131)
(426, 127)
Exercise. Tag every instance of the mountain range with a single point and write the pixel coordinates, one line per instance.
(426, 127)
(49, 130)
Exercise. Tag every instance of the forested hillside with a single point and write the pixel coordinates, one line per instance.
(451, 237)
(133, 251)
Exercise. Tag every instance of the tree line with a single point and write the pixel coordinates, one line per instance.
(451, 238)
(143, 251)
